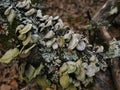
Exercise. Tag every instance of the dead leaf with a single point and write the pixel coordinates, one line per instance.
(13, 84)
(5, 87)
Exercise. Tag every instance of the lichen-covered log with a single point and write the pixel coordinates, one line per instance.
(58, 55)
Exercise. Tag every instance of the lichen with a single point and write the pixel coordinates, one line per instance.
(65, 55)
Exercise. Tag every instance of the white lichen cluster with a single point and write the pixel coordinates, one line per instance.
(67, 56)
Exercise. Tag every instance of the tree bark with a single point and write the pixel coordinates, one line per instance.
(115, 70)
(104, 12)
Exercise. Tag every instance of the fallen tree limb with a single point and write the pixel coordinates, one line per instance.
(104, 15)
(109, 11)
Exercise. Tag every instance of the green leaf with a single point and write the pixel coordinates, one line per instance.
(9, 55)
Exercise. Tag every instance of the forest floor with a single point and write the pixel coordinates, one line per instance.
(72, 12)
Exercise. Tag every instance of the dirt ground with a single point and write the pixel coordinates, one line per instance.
(73, 13)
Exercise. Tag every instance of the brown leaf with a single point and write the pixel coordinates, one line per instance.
(13, 84)
(5, 87)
